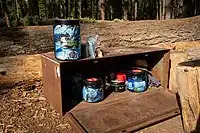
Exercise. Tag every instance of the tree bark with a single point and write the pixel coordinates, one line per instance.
(136, 5)
(131, 9)
(5, 12)
(97, 9)
(102, 9)
(49, 9)
(158, 9)
(125, 9)
(175, 58)
(22, 7)
(66, 9)
(57, 8)
(167, 9)
(193, 54)
(187, 10)
(69, 8)
(188, 79)
(161, 9)
(33, 8)
(78, 8)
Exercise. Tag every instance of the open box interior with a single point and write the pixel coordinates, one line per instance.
(119, 111)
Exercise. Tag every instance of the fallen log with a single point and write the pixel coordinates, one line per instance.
(175, 59)
(193, 54)
(188, 79)
(18, 68)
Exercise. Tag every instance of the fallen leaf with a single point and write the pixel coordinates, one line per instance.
(40, 125)
(66, 125)
(41, 99)
(24, 94)
(17, 100)
(9, 126)
(36, 112)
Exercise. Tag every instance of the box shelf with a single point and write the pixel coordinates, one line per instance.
(124, 111)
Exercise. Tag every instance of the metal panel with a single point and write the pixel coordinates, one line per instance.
(52, 83)
(119, 112)
(127, 114)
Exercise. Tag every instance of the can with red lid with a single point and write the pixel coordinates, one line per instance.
(118, 86)
(121, 76)
(118, 82)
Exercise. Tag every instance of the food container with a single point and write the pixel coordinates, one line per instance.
(66, 38)
(118, 86)
(121, 76)
(93, 90)
(137, 81)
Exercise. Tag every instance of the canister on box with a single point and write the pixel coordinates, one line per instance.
(66, 38)
(93, 90)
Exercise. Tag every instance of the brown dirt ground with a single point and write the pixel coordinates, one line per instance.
(38, 39)
(23, 107)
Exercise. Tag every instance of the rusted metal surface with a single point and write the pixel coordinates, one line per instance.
(57, 75)
(52, 84)
(117, 52)
(77, 128)
(127, 114)
(118, 111)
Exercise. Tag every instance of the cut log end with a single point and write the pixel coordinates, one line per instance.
(188, 81)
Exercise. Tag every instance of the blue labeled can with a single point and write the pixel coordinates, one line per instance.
(66, 37)
(93, 90)
(137, 81)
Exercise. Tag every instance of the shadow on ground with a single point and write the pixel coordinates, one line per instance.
(12, 38)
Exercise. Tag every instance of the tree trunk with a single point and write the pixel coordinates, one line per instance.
(136, 8)
(194, 7)
(125, 9)
(161, 9)
(69, 8)
(66, 9)
(131, 9)
(5, 13)
(33, 9)
(92, 8)
(102, 9)
(187, 10)
(62, 8)
(97, 9)
(57, 9)
(7, 19)
(49, 9)
(158, 9)
(167, 9)
(78, 9)
(188, 79)
(22, 7)
(73, 7)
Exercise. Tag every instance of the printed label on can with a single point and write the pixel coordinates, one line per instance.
(140, 86)
(67, 42)
(136, 85)
(92, 95)
(130, 84)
